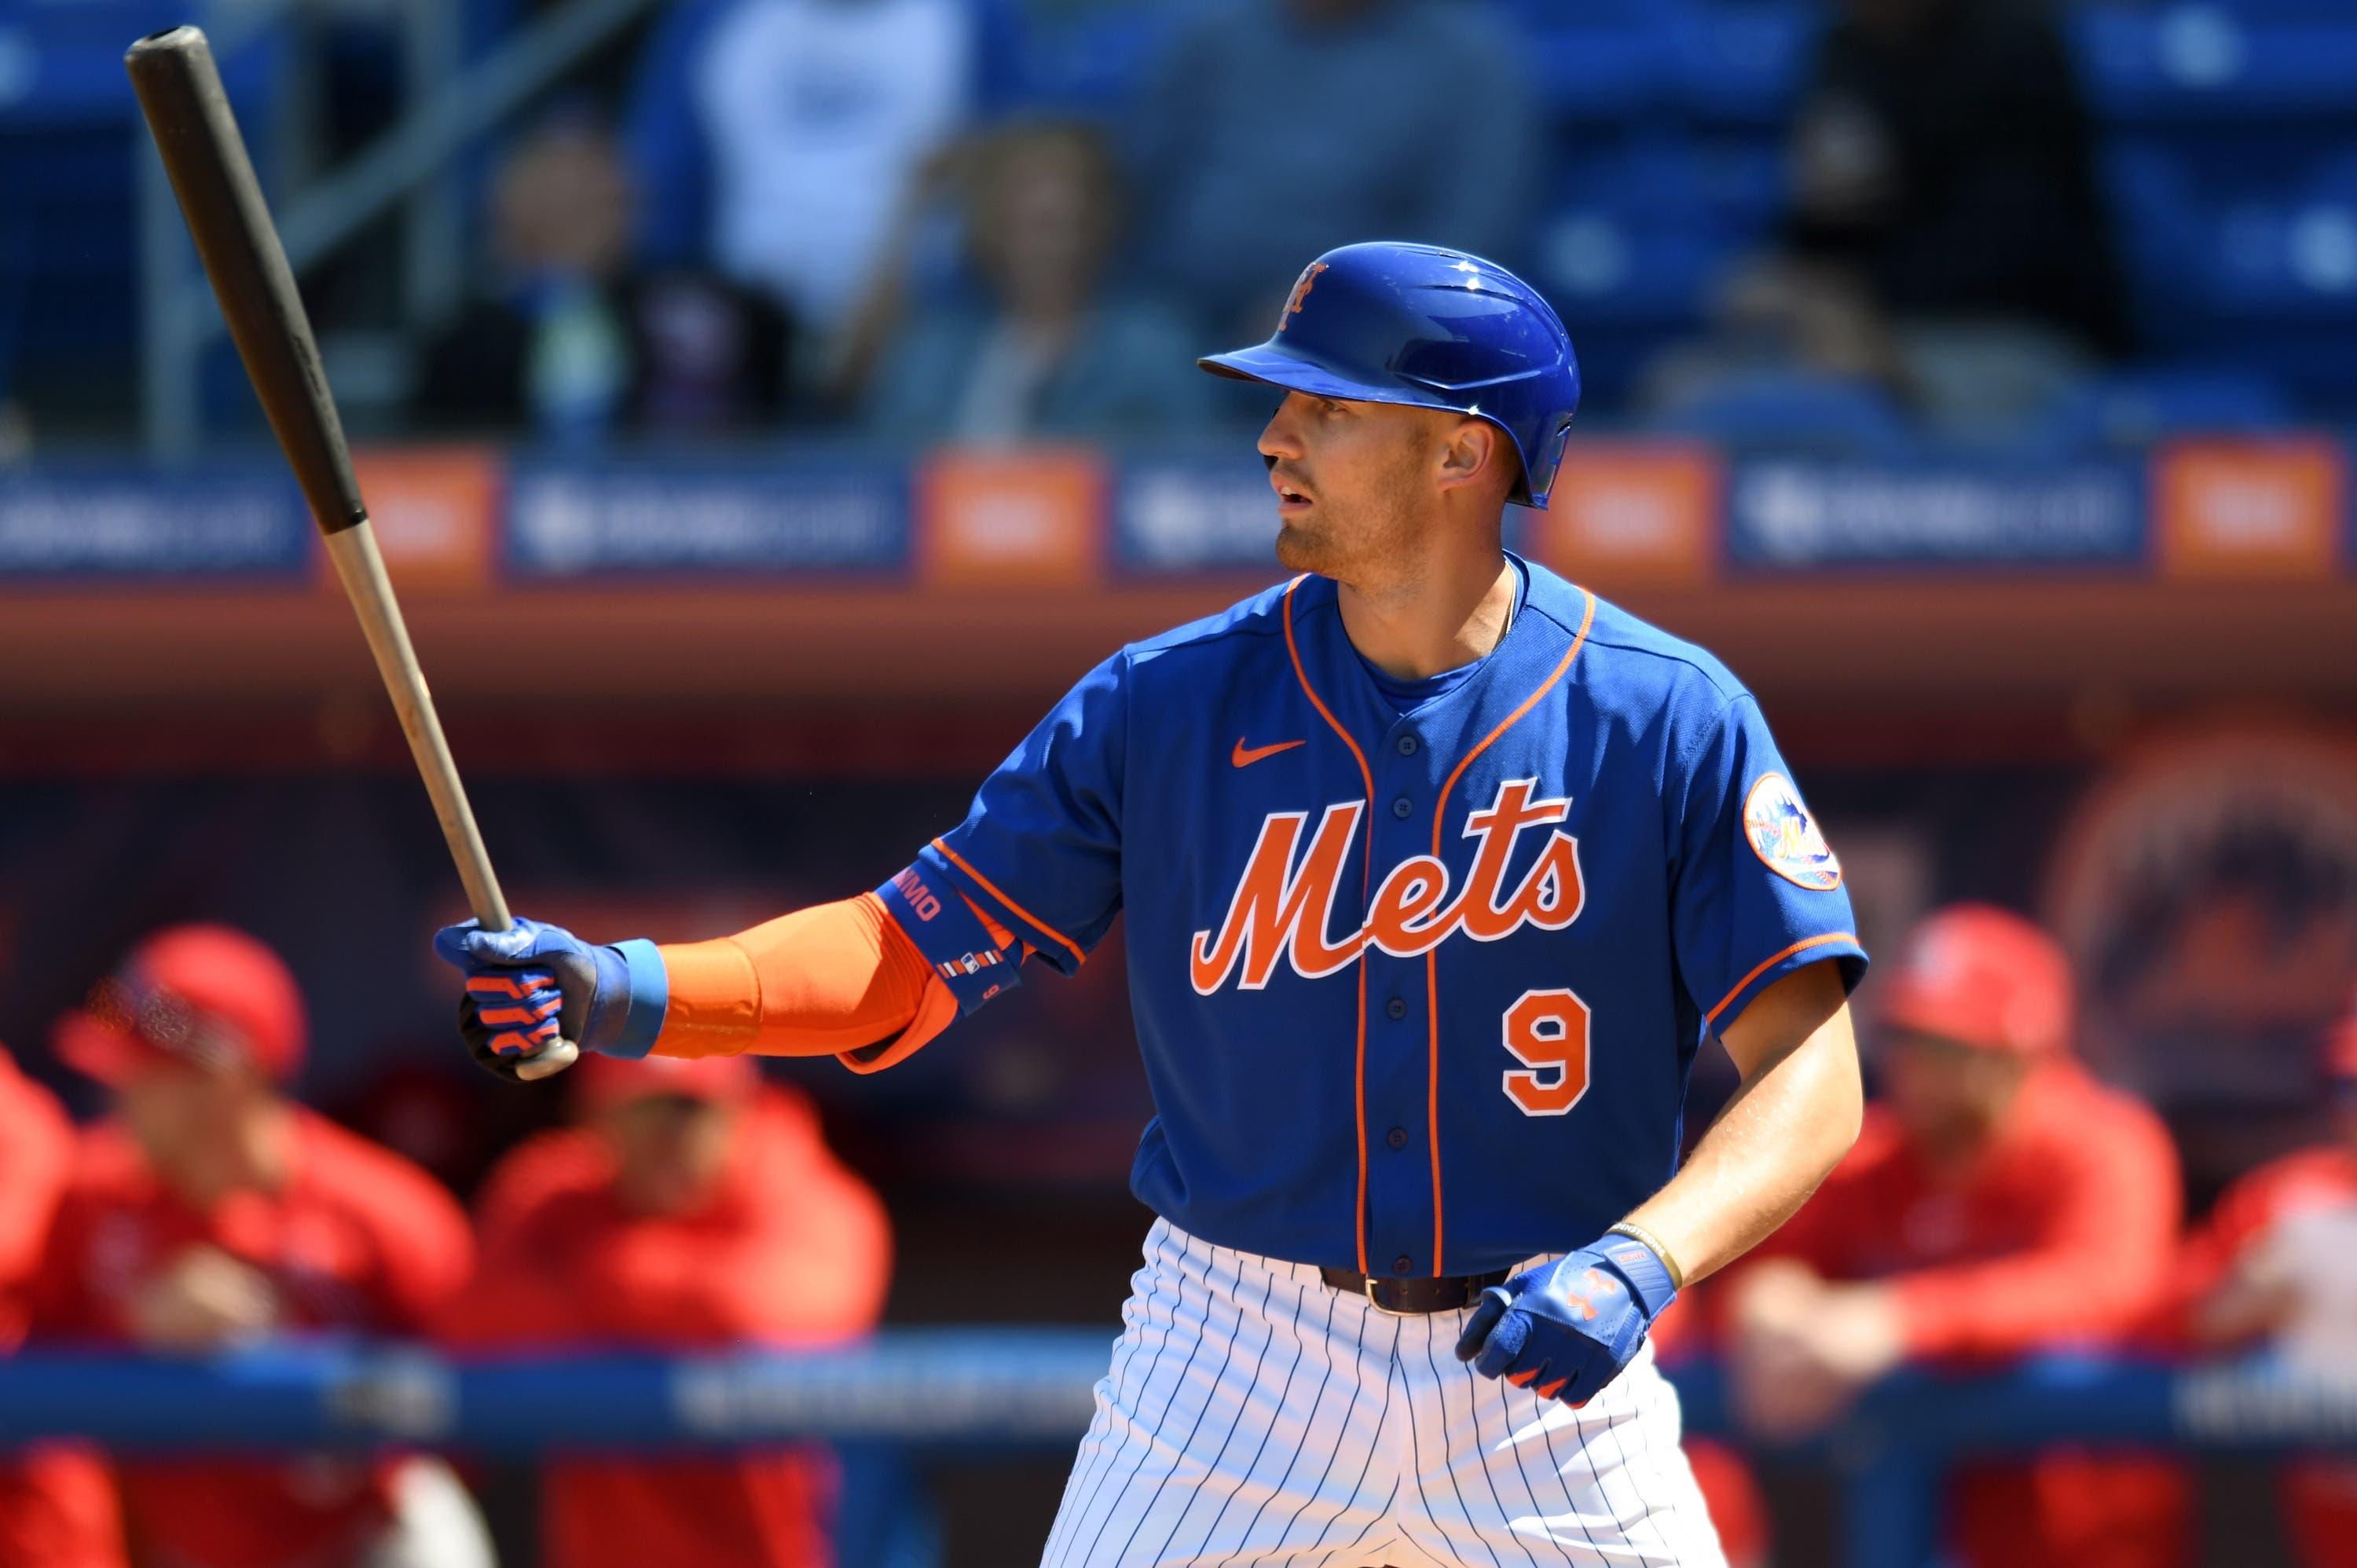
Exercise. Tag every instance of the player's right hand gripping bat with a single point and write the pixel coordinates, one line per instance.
(188, 112)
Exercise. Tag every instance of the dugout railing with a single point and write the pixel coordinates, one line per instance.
(1003, 1390)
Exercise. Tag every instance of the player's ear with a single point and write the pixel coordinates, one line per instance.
(1471, 453)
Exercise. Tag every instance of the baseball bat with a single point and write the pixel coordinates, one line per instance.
(188, 112)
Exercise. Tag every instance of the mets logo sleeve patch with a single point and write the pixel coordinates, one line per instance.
(1416, 990)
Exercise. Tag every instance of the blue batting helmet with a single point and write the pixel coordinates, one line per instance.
(1430, 328)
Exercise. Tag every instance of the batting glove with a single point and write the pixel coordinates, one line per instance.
(1566, 1330)
(537, 995)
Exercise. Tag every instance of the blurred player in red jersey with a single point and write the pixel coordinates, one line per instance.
(695, 1208)
(1999, 1202)
(2276, 1261)
(57, 1505)
(214, 1212)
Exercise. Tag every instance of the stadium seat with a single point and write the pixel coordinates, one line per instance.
(69, 139)
(2135, 407)
(1740, 179)
(1629, 238)
(63, 63)
(2203, 63)
(1742, 61)
(1793, 410)
(2257, 232)
(1600, 60)
(2245, 251)
(1094, 61)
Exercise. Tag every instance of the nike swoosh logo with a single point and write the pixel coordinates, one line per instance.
(1245, 755)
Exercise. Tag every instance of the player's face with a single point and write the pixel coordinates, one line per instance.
(1352, 482)
(669, 1151)
(1948, 1095)
(193, 1122)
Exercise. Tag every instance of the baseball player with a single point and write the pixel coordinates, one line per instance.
(1437, 868)
(2275, 1263)
(2000, 1201)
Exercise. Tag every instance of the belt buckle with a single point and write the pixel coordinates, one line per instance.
(1371, 1282)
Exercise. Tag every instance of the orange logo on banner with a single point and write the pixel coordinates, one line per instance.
(1635, 514)
(1026, 518)
(2249, 509)
(433, 509)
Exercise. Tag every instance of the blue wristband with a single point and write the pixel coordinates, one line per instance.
(626, 1013)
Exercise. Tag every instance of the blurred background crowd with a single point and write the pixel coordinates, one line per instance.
(1974, 375)
(936, 217)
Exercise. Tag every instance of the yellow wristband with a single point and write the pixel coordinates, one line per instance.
(1639, 1233)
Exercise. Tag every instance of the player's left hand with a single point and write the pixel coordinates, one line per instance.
(529, 1006)
(1566, 1330)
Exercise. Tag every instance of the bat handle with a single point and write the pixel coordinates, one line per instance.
(361, 567)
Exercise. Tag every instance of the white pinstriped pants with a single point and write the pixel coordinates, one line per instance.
(1254, 1415)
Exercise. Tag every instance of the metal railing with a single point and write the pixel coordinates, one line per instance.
(992, 1391)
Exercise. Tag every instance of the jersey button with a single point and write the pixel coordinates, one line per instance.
(1397, 1137)
(1396, 1008)
(1407, 744)
(1402, 1264)
(1403, 808)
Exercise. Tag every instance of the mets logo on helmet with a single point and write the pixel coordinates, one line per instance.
(1301, 287)
(1785, 837)
(1280, 910)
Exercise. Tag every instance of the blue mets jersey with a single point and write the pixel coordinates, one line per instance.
(1417, 991)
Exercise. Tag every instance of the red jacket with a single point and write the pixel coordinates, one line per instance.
(56, 1503)
(2060, 1233)
(2299, 1190)
(794, 1250)
(359, 1239)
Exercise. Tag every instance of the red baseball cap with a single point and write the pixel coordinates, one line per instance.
(604, 1083)
(203, 994)
(1982, 976)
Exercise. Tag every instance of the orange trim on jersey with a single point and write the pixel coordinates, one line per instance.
(1018, 910)
(1432, 958)
(1767, 963)
(1366, 880)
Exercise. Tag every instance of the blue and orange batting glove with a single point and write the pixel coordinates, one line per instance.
(537, 995)
(1566, 1330)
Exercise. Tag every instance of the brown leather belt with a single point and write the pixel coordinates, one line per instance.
(1415, 1294)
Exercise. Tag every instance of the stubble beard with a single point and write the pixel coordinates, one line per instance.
(1372, 553)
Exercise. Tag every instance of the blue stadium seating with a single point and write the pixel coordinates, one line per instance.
(1094, 61)
(1741, 61)
(2256, 60)
(1628, 236)
(2133, 407)
(69, 135)
(2245, 251)
(1790, 409)
(1600, 59)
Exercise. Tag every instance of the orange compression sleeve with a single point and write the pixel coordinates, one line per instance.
(832, 980)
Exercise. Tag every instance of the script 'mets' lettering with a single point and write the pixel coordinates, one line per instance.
(1283, 905)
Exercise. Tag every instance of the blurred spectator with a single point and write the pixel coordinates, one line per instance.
(577, 342)
(215, 1211)
(1999, 1202)
(775, 138)
(2277, 1263)
(1277, 129)
(693, 1209)
(1048, 351)
(57, 1505)
(1946, 235)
